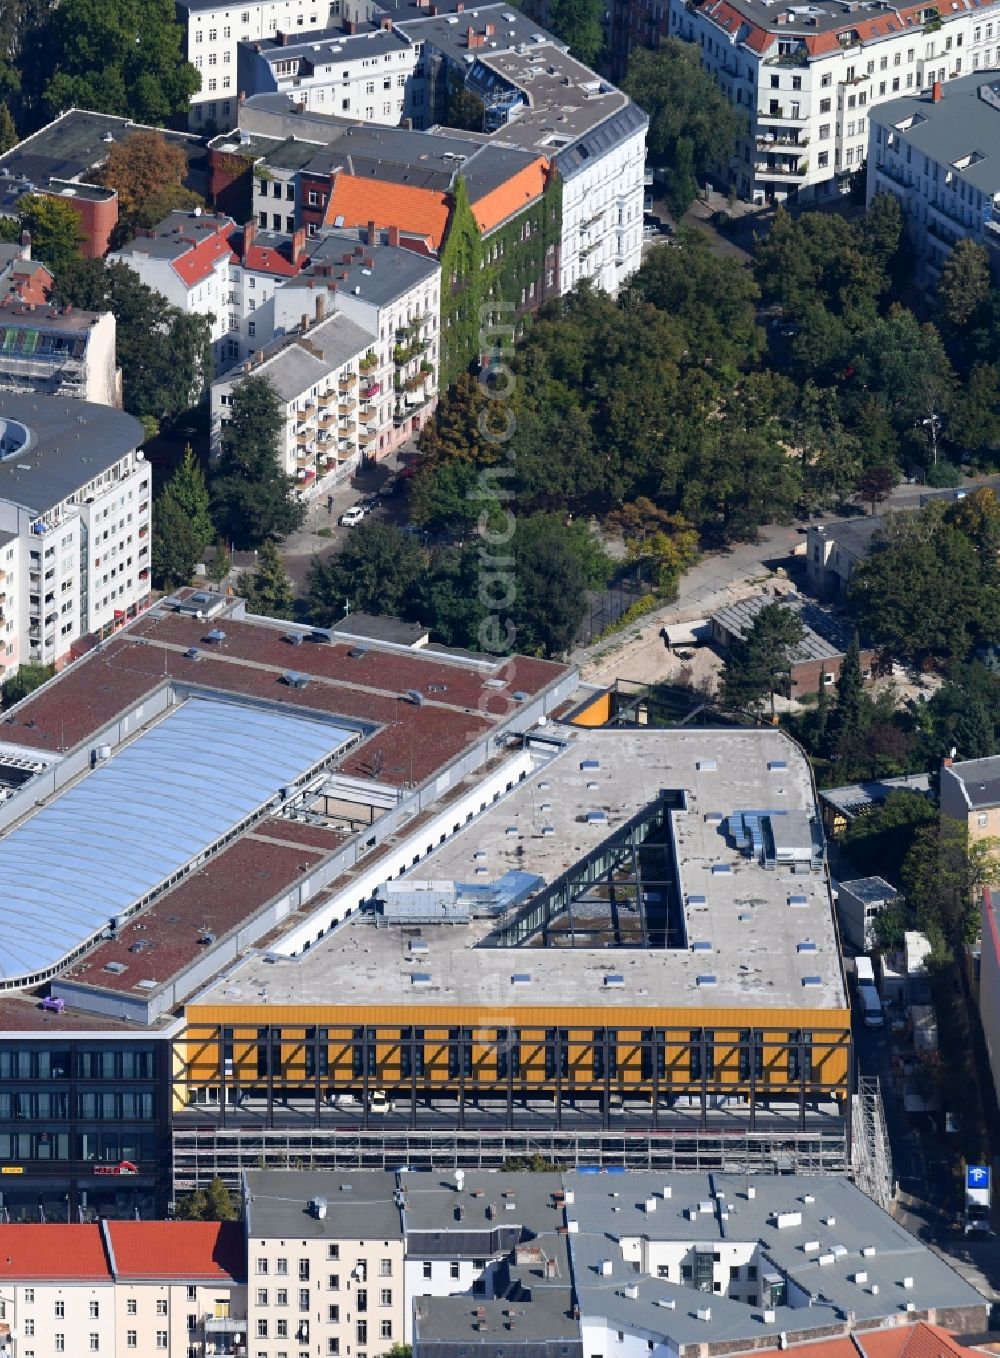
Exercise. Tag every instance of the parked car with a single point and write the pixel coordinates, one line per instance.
(352, 516)
(379, 1102)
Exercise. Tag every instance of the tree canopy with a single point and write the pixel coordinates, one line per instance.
(693, 128)
(165, 355)
(54, 227)
(147, 173)
(759, 662)
(253, 498)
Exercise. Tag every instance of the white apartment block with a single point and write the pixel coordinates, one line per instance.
(933, 152)
(213, 31)
(186, 258)
(392, 294)
(75, 510)
(324, 380)
(809, 76)
(325, 1273)
(354, 75)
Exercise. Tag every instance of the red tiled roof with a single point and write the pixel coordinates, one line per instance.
(418, 212)
(56, 1252)
(911, 1341)
(196, 264)
(512, 195)
(189, 1251)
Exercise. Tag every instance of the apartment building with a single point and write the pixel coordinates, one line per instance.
(123, 1288)
(391, 293)
(365, 74)
(970, 793)
(808, 77)
(933, 152)
(186, 259)
(75, 508)
(213, 32)
(57, 351)
(834, 549)
(324, 378)
(325, 1263)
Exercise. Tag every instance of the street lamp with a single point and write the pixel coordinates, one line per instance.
(934, 420)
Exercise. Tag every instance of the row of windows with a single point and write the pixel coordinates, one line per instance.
(109, 1147)
(56, 1105)
(280, 1331)
(558, 1048)
(33, 1064)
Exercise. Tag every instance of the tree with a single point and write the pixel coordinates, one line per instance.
(682, 182)
(874, 484)
(252, 496)
(221, 563)
(975, 419)
(188, 488)
(684, 104)
(376, 572)
(818, 258)
(963, 286)
(846, 723)
(465, 109)
(165, 355)
(147, 173)
(903, 364)
(115, 56)
(176, 545)
(831, 456)
(550, 582)
(25, 681)
(878, 840)
(580, 24)
(8, 132)
(757, 663)
(54, 227)
(712, 297)
(944, 875)
(268, 591)
(214, 1203)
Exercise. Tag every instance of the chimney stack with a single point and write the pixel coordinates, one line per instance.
(386, 25)
(249, 235)
(320, 306)
(491, 28)
(936, 92)
(393, 235)
(298, 244)
(372, 229)
(25, 244)
(304, 322)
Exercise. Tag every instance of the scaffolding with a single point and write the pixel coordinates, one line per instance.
(202, 1154)
(870, 1152)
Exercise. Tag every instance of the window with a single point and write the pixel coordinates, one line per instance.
(29, 1329)
(799, 1055)
(261, 1296)
(385, 1329)
(281, 1267)
(982, 821)
(303, 1270)
(281, 1297)
(333, 1315)
(95, 1310)
(60, 1310)
(454, 1269)
(161, 1307)
(824, 106)
(261, 1327)
(556, 1053)
(161, 1339)
(385, 1268)
(605, 1053)
(130, 1306)
(95, 1343)
(303, 1299)
(281, 1329)
(362, 1331)
(29, 1295)
(428, 1269)
(823, 159)
(702, 1054)
(459, 1052)
(824, 131)
(60, 1344)
(333, 1251)
(261, 1266)
(131, 1339)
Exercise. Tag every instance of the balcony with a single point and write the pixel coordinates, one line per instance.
(371, 390)
(368, 438)
(770, 141)
(765, 171)
(327, 399)
(303, 437)
(347, 381)
(345, 407)
(369, 363)
(780, 115)
(328, 420)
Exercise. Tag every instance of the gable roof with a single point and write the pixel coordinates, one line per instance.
(55, 1252)
(417, 212)
(512, 195)
(185, 1250)
(911, 1341)
(200, 261)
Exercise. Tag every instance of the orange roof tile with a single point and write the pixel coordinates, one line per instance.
(56, 1252)
(197, 263)
(185, 1250)
(509, 197)
(911, 1341)
(416, 211)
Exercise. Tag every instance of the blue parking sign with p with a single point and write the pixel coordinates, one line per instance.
(977, 1176)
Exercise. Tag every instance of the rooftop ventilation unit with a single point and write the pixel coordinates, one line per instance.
(317, 1208)
(596, 818)
(798, 900)
(418, 947)
(293, 638)
(614, 980)
(589, 765)
(294, 679)
(706, 765)
(215, 637)
(357, 653)
(701, 945)
(777, 765)
(696, 900)
(421, 978)
(707, 980)
(721, 869)
(192, 653)
(414, 696)
(806, 945)
(116, 968)
(812, 980)
(521, 978)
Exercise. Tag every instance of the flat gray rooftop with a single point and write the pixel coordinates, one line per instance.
(962, 131)
(766, 935)
(831, 1243)
(872, 890)
(854, 798)
(292, 368)
(378, 275)
(73, 442)
(360, 1206)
